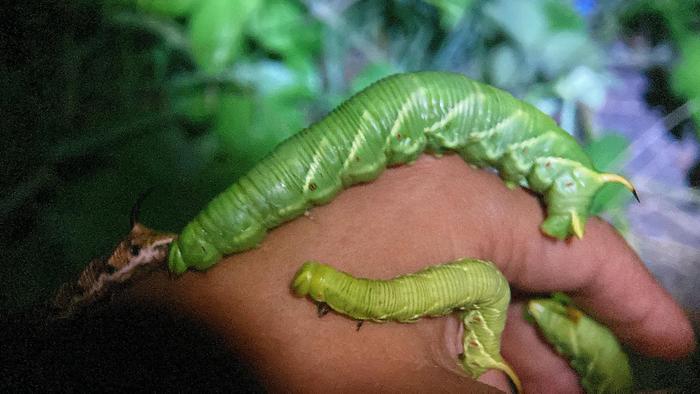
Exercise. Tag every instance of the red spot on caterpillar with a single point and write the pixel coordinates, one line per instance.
(477, 319)
(312, 186)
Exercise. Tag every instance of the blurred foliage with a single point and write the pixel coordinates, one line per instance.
(609, 154)
(676, 24)
(106, 99)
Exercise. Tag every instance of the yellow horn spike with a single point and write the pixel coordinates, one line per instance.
(503, 366)
(576, 225)
(617, 178)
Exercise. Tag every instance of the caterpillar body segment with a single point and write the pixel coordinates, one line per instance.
(474, 288)
(434, 291)
(592, 349)
(390, 123)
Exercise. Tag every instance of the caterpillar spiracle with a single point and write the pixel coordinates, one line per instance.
(390, 123)
(591, 348)
(474, 288)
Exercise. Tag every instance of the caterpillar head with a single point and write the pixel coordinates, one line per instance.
(312, 279)
(303, 280)
(570, 197)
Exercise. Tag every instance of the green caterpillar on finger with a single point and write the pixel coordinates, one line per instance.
(475, 288)
(390, 123)
(593, 351)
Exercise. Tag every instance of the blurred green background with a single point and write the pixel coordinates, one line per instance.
(103, 100)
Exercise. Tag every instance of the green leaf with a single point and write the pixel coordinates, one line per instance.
(694, 108)
(584, 85)
(451, 11)
(281, 26)
(565, 50)
(508, 68)
(554, 46)
(562, 16)
(167, 7)
(607, 154)
(233, 120)
(685, 77)
(216, 32)
(296, 79)
(249, 127)
(523, 21)
(370, 74)
(195, 103)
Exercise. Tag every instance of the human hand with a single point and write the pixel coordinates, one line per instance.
(431, 212)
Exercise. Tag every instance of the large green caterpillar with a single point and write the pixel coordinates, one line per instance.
(390, 123)
(475, 288)
(591, 348)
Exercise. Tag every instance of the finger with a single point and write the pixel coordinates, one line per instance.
(540, 369)
(606, 278)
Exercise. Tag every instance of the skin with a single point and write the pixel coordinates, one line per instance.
(431, 212)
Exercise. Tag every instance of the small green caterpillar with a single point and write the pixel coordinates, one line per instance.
(390, 123)
(592, 349)
(475, 288)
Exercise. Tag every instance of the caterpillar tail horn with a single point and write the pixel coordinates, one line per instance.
(505, 367)
(619, 179)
